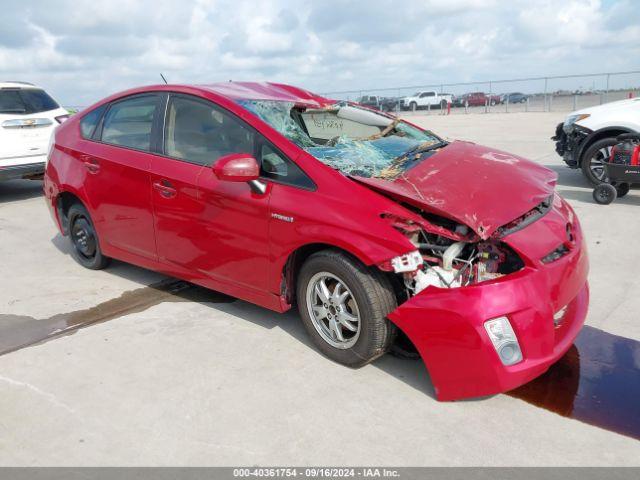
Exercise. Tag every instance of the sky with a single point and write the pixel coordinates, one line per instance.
(81, 51)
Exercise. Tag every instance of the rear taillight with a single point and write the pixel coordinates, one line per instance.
(61, 118)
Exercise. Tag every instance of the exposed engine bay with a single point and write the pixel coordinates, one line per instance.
(444, 262)
(458, 264)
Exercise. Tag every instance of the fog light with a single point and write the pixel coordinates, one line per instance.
(504, 340)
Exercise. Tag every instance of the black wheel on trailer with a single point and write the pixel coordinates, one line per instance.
(622, 189)
(604, 193)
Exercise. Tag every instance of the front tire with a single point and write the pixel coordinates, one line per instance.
(85, 246)
(344, 307)
(413, 106)
(594, 158)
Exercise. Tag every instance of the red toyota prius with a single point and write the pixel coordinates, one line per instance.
(380, 231)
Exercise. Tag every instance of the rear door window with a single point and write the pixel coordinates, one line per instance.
(129, 122)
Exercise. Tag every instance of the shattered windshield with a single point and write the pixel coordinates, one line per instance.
(351, 140)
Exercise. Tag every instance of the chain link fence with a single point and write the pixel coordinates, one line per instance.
(539, 94)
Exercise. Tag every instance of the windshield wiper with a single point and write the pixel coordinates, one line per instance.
(424, 147)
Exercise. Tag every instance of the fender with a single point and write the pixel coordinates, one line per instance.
(363, 247)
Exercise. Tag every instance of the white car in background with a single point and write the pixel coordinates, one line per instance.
(28, 117)
(585, 138)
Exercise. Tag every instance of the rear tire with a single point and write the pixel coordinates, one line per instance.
(85, 246)
(593, 158)
(368, 297)
(604, 193)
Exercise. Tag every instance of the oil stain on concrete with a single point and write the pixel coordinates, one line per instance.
(19, 331)
(596, 382)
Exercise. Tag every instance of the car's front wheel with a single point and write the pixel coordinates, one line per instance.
(344, 307)
(85, 246)
(594, 158)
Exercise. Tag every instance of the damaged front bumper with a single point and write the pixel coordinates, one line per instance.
(545, 303)
(570, 143)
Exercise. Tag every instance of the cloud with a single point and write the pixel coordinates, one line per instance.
(83, 50)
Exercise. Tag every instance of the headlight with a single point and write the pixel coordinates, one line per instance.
(504, 340)
(571, 119)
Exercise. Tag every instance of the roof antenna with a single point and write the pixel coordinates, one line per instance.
(164, 79)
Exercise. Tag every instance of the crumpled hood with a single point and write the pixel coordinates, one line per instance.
(480, 187)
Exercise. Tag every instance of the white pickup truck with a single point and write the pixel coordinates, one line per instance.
(426, 99)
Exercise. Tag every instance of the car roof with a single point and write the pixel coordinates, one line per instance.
(267, 91)
(16, 84)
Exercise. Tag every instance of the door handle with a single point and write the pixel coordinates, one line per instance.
(165, 188)
(91, 164)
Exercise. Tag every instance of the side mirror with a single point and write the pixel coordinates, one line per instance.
(237, 167)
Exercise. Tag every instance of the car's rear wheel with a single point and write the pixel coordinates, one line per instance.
(594, 158)
(85, 246)
(344, 307)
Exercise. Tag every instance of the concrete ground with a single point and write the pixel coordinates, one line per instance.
(226, 383)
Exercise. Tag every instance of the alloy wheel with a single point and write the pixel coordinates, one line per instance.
(333, 310)
(596, 164)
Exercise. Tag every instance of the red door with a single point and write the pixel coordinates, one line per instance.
(214, 229)
(234, 232)
(177, 210)
(117, 176)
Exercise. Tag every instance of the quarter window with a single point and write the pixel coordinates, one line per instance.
(90, 121)
(129, 122)
(277, 167)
